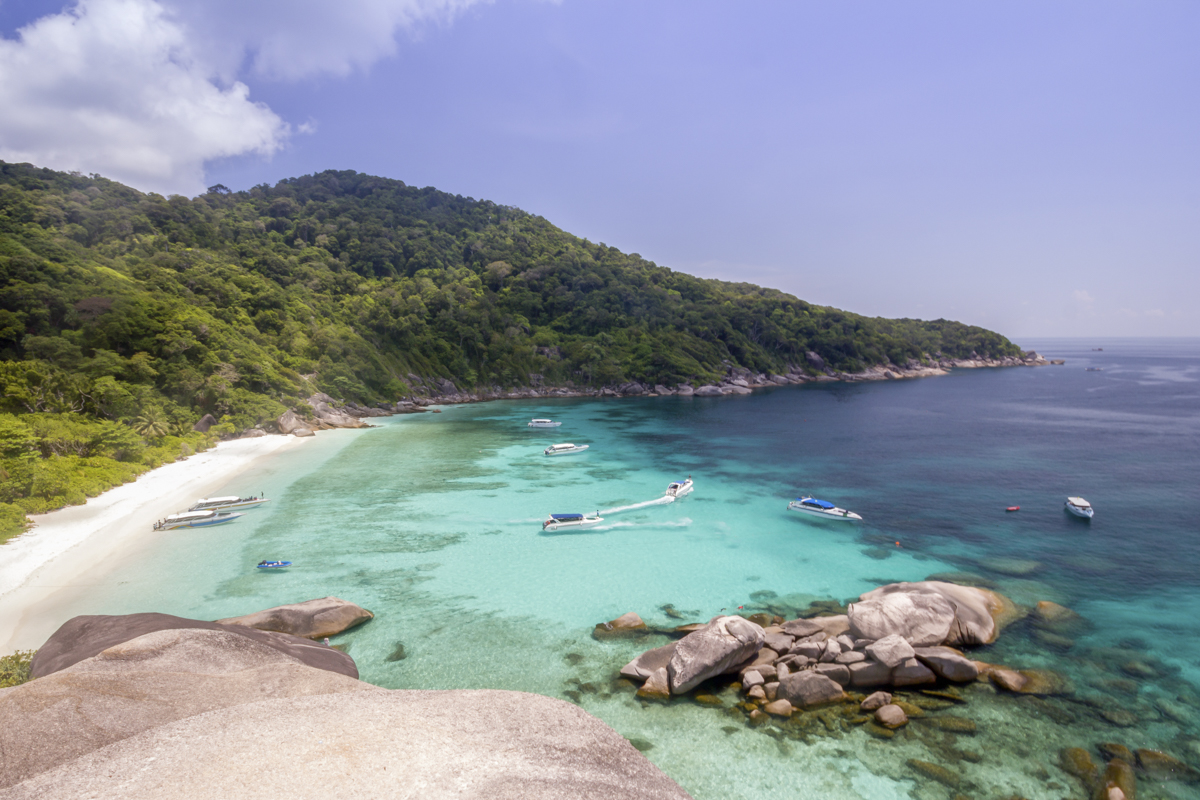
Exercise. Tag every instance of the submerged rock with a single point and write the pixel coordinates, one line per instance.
(623, 626)
(1162, 767)
(722, 644)
(1078, 762)
(934, 771)
(891, 716)
(779, 708)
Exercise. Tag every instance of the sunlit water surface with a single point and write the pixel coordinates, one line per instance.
(433, 522)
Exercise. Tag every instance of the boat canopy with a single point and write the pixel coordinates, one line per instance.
(191, 515)
(566, 517)
(564, 446)
(1079, 501)
(540, 420)
(218, 500)
(812, 501)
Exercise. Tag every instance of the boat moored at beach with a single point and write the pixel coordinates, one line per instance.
(195, 519)
(678, 489)
(566, 521)
(1079, 507)
(226, 503)
(543, 423)
(565, 448)
(822, 509)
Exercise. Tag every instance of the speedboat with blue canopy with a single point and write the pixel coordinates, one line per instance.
(678, 489)
(822, 509)
(565, 521)
(273, 564)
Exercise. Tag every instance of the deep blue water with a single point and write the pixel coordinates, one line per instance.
(431, 521)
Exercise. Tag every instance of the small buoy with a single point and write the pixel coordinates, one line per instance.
(740, 608)
(1013, 508)
(897, 544)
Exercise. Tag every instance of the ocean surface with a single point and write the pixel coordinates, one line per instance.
(432, 521)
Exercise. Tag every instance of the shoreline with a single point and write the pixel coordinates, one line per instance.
(67, 544)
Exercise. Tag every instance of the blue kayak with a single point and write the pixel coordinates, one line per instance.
(273, 564)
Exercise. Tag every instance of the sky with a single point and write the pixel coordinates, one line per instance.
(1031, 167)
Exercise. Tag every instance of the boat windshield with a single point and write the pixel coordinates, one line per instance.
(811, 501)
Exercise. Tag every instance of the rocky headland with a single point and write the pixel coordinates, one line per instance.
(150, 705)
(322, 412)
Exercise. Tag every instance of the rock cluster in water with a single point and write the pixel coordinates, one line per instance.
(150, 705)
(903, 634)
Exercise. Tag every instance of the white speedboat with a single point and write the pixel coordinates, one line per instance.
(678, 489)
(225, 503)
(543, 423)
(564, 449)
(822, 509)
(1079, 507)
(195, 519)
(556, 522)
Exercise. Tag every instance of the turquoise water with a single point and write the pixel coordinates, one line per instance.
(433, 522)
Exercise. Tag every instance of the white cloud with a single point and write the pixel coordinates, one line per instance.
(147, 91)
(1083, 297)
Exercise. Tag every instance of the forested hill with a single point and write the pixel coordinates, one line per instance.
(126, 316)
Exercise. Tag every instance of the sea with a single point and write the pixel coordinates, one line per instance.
(433, 522)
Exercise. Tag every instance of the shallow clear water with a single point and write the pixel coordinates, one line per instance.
(433, 522)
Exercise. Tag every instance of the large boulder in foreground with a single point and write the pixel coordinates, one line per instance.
(929, 613)
(721, 645)
(85, 636)
(453, 744)
(143, 683)
(312, 619)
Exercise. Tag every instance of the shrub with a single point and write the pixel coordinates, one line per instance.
(14, 669)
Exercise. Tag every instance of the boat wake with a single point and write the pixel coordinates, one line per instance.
(658, 501)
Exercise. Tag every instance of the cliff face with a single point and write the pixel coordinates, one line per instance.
(214, 712)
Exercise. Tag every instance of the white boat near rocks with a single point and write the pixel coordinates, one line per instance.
(822, 509)
(543, 423)
(557, 522)
(566, 448)
(195, 519)
(1079, 507)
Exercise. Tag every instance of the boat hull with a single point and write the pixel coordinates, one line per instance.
(680, 491)
(544, 425)
(572, 525)
(1081, 513)
(202, 523)
(839, 514)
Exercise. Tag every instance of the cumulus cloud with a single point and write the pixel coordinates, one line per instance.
(147, 91)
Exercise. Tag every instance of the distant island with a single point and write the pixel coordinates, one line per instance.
(127, 317)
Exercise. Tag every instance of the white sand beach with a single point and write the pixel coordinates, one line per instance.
(66, 545)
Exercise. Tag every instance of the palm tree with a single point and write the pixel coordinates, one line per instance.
(151, 425)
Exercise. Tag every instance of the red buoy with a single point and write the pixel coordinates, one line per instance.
(1013, 508)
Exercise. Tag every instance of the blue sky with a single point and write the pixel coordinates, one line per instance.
(1027, 166)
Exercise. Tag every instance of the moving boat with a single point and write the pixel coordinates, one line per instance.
(558, 521)
(195, 519)
(1079, 507)
(821, 508)
(564, 449)
(543, 423)
(679, 488)
(273, 564)
(223, 503)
